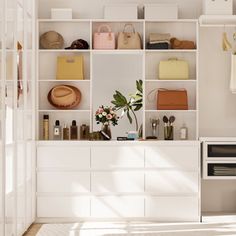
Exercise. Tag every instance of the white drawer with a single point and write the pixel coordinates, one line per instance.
(183, 157)
(172, 208)
(117, 182)
(63, 206)
(115, 157)
(117, 207)
(172, 182)
(63, 182)
(63, 157)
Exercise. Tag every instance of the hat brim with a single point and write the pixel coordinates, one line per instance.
(72, 105)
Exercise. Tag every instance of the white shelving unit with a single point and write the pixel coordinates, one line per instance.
(97, 74)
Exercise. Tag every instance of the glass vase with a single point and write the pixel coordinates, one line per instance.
(106, 131)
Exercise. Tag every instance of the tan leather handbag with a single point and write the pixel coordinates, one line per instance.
(172, 99)
(70, 68)
(129, 40)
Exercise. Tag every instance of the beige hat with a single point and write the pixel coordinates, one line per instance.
(64, 96)
(51, 40)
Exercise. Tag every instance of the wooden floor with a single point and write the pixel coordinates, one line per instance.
(33, 230)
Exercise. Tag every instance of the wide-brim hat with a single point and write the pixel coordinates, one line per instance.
(51, 40)
(64, 96)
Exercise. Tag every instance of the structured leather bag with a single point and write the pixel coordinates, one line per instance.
(104, 40)
(172, 99)
(173, 69)
(70, 68)
(130, 39)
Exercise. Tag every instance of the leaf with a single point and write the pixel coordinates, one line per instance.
(129, 117)
(138, 107)
(139, 85)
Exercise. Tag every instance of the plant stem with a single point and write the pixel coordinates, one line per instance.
(136, 120)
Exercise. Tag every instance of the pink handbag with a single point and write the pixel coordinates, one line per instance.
(104, 40)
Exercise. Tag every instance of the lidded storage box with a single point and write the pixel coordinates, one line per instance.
(218, 7)
(121, 11)
(61, 13)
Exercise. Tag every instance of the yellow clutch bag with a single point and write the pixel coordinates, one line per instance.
(173, 69)
(70, 68)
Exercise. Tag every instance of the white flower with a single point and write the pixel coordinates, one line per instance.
(104, 113)
(100, 115)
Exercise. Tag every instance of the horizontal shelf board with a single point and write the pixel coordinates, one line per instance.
(68, 111)
(180, 111)
(64, 20)
(221, 177)
(117, 51)
(76, 81)
(170, 81)
(171, 50)
(63, 50)
(217, 20)
(171, 20)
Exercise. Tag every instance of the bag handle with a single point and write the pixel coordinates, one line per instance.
(128, 25)
(104, 26)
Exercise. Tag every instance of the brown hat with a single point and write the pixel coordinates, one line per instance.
(79, 44)
(51, 40)
(64, 96)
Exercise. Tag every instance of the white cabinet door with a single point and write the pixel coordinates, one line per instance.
(176, 157)
(117, 207)
(117, 157)
(117, 182)
(63, 207)
(63, 157)
(172, 208)
(63, 182)
(171, 182)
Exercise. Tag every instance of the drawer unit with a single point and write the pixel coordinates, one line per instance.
(54, 206)
(117, 207)
(63, 182)
(63, 157)
(174, 157)
(172, 182)
(117, 182)
(117, 157)
(172, 208)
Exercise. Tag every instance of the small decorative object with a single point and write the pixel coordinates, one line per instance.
(66, 133)
(106, 115)
(168, 127)
(183, 132)
(46, 127)
(154, 124)
(226, 45)
(78, 44)
(61, 13)
(134, 103)
(84, 132)
(74, 131)
(132, 135)
(51, 40)
(57, 131)
(64, 97)
(182, 44)
(95, 136)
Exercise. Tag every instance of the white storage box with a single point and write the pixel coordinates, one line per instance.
(160, 11)
(61, 13)
(218, 7)
(121, 11)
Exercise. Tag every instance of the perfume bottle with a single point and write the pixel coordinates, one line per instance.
(66, 133)
(46, 127)
(57, 131)
(74, 131)
(183, 132)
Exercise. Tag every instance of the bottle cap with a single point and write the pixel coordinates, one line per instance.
(65, 126)
(46, 117)
(73, 122)
(57, 123)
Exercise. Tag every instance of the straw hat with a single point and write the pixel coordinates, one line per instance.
(51, 40)
(64, 96)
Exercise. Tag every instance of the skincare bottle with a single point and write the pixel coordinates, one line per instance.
(184, 132)
(46, 127)
(66, 133)
(57, 131)
(74, 131)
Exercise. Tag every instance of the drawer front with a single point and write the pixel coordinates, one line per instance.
(63, 182)
(172, 208)
(172, 182)
(183, 157)
(115, 157)
(63, 157)
(117, 182)
(117, 207)
(63, 206)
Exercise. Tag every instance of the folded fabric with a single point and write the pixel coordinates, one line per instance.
(155, 37)
(182, 44)
(158, 45)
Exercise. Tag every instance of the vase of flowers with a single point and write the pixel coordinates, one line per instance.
(106, 116)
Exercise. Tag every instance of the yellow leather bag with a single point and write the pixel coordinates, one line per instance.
(70, 68)
(173, 69)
